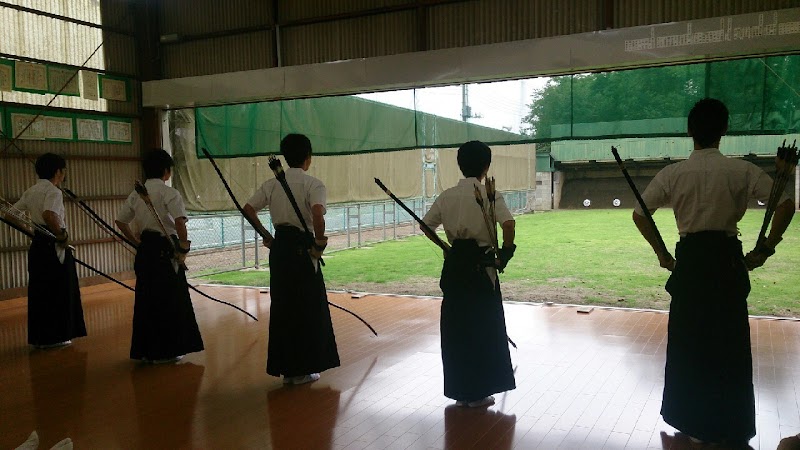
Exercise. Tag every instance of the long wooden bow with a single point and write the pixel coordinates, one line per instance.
(97, 271)
(263, 233)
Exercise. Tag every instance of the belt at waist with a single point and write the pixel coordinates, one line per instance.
(39, 235)
(469, 248)
(150, 234)
(290, 233)
(154, 239)
(707, 236)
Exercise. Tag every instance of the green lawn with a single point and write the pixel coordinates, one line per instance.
(569, 256)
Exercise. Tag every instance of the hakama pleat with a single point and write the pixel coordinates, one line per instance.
(55, 313)
(301, 338)
(164, 323)
(708, 379)
(475, 354)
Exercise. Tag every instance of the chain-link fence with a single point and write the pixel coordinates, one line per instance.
(225, 242)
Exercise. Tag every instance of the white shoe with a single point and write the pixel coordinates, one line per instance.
(174, 359)
(461, 403)
(64, 444)
(486, 401)
(32, 443)
(57, 344)
(303, 379)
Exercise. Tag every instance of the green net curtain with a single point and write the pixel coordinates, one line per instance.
(761, 94)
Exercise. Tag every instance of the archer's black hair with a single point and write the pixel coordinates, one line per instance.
(708, 121)
(473, 158)
(48, 164)
(156, 162)
(295, 148)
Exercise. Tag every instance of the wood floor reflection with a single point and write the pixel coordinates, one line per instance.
(584, 381)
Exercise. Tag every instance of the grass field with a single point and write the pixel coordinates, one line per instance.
(568, 256)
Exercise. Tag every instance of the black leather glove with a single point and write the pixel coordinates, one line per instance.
(62, 238)
(318, 247)
(181, 250)
(504, 255)
(758, 256)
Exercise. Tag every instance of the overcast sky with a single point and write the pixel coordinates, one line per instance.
(501, 104)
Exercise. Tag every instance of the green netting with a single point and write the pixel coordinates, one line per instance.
(336, 126)
(761, 94)
(662, 147)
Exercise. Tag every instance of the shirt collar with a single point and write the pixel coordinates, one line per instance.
(155, 180)
(471, 181)
(704, 153)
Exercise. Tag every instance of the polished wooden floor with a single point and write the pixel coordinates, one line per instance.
(584, 381)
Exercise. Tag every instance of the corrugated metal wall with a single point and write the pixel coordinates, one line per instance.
(54, 40)
(22, 34)
(493, 21)
(254, 49)
(361, 37)
(224, 54)
(630, 13)
(189, 17)
(85, 10)
(315, 31)
(101, 174)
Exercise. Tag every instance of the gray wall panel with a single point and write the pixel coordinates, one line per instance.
(376, 33)
(119, 53)
(309, 9)
(311, 44)
(117, 13)
(226, 54)
(629, 13)
(187, 17)
(489, 22)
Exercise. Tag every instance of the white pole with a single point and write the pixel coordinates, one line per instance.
(797, 187)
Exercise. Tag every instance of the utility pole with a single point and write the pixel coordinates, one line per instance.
(466, 110)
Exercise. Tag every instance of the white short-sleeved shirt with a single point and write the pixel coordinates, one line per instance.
(166, 200)
(708, 191)
(458, 211)
(43, 196)
(307, 191)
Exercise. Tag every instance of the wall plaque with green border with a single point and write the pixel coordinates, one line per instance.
(66, 126)
(90, 130)
(119, 131)
(62, 80)
(59, 128)
(23, 126)
(113, 88)
(6, 75)
(30, 77)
